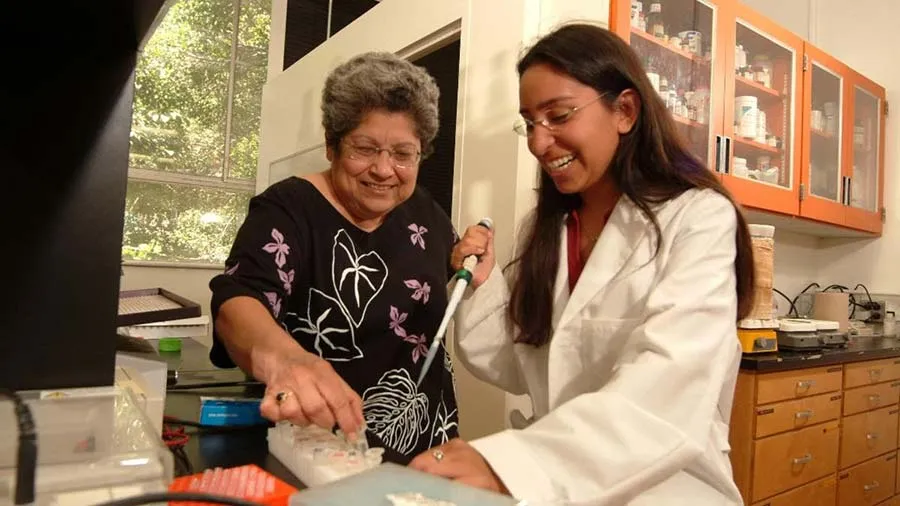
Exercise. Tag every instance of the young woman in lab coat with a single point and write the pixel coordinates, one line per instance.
(619, 314)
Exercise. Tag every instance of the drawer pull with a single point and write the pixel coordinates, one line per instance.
(875, 374)
(806, 459)
(875, 398)
(871, 436)
(805, 384)
(871, 486)
(804, 414)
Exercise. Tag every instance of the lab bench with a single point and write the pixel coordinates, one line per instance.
(818, 428)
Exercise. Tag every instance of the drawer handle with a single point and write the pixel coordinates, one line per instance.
(804, 384)
(871, 486)
(875, 373)
(875, 398)
(872, 435)
(804, 414)
(806, 459)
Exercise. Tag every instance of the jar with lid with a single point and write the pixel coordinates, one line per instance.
(763, 69)
(655, 20)
(637, 12)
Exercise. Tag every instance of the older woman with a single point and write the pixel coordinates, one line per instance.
(335, 283)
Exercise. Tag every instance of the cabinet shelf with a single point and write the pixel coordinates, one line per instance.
(744, 86)
(747, 146)
(821, 134)
(681, 120)
(642, 35)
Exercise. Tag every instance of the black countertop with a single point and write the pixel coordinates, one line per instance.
(784, 360)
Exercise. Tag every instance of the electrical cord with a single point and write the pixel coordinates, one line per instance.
(864, 288)
(793, 307)
(26, 459)
(166, 497)
(794, 300)
(212, 384)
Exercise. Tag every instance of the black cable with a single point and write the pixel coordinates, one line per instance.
(220, 384)
(793, 307)
(165, 497)
(26, 460)
(839, 287)
(794, 300)
(864, 288)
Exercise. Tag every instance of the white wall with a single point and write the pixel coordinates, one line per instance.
(794, 15)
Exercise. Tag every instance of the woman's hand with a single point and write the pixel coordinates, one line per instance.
(478, 241)
(460, 462)
(304, 389)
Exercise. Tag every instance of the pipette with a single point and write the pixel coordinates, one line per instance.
(463, 278)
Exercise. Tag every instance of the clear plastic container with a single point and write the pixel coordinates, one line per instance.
(94, 445)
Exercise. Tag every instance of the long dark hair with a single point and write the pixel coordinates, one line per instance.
(651, 165)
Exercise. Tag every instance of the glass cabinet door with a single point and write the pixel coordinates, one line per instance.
(825, 133)
(675, 39)
(764, 78)
(863, 189)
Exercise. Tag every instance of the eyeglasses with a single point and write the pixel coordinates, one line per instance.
(401, 158)
(555, 119)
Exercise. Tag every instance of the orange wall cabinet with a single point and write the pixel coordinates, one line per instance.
(791, 130)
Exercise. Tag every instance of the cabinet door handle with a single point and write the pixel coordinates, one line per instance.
(719, 153)
(726, 165)
(875, 374)
(871, 486)
(806, 459)
(849, 190)
(805, 384)
(875, 398)
(844, 190)
(804, 414)
(871, 436)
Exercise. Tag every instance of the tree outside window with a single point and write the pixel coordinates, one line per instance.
(195, 130)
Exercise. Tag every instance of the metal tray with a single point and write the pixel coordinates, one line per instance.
(153, 305)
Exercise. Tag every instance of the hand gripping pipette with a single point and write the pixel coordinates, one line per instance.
(463, 278)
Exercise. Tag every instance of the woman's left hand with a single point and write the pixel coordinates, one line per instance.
(460, 462)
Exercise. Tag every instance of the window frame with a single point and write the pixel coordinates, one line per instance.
(223, 182)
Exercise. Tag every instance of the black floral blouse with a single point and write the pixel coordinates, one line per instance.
(368, 302)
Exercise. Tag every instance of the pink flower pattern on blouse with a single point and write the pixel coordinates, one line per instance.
(421, 291)
(416, 237)
(279, 248)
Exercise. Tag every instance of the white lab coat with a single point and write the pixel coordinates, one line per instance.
(632, 397)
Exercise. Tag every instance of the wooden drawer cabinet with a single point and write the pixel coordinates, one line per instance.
(874, 371)
(868, 483)
(819, 436)
(857, 400)
(867, 435)
(779, 386)
(818, 493)
(794, 458)
(789, 415)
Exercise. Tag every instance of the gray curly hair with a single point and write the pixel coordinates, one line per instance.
(378, 80)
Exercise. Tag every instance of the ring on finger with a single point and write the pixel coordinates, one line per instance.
(438, 455)
(282, 395)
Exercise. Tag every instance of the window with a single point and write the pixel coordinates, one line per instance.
(195, 130)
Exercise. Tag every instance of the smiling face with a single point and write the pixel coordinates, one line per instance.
(368, 183)
(577, 154)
